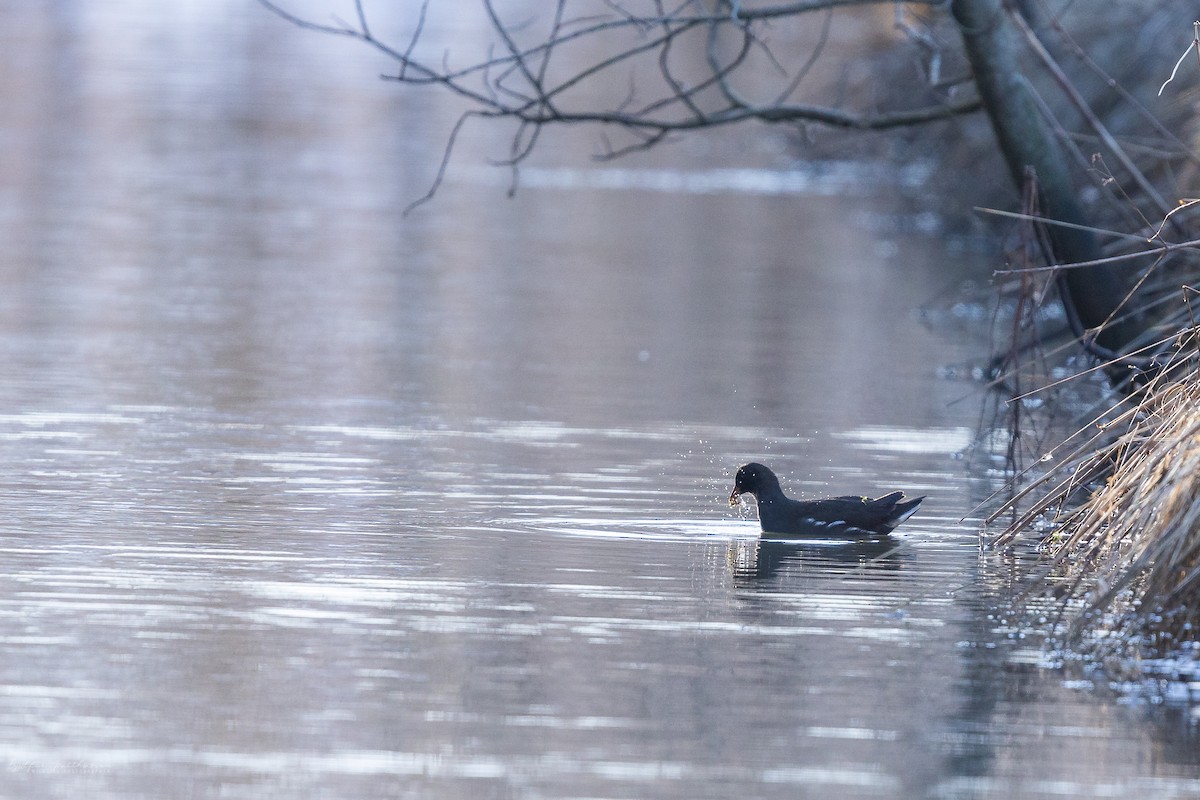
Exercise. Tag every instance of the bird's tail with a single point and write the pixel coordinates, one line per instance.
(904, 510)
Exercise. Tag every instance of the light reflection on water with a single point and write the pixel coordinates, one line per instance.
(827, 178)
(579, 632)
(363, 604)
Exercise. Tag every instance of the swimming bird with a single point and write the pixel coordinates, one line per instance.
(840, 517)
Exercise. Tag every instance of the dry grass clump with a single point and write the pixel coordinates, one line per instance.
(1136, 536)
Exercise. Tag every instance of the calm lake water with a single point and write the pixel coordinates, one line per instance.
(306, 499)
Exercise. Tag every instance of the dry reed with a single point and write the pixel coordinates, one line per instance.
(1136, 536)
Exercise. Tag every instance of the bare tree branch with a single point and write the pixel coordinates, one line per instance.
(721, 48)
(444, 163)
(1082, 107)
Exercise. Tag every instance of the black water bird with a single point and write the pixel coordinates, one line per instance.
(836, 517)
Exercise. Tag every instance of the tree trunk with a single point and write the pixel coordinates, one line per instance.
(1090, 294)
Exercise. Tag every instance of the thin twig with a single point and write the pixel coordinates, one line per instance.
(1194, 45)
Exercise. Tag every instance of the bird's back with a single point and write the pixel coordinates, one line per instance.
(848, 515)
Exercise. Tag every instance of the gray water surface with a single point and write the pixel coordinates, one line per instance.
(306, 499)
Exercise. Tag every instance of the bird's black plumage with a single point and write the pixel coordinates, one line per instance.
(840, 517)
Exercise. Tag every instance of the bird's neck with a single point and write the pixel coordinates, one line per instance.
(770, 502)
(769, 491)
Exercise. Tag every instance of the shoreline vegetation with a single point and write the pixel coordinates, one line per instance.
(1115, 510)
(1103, 154)
(1114, 507)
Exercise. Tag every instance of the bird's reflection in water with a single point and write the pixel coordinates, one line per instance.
(763, 558)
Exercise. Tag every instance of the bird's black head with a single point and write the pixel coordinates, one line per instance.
(750, 479)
